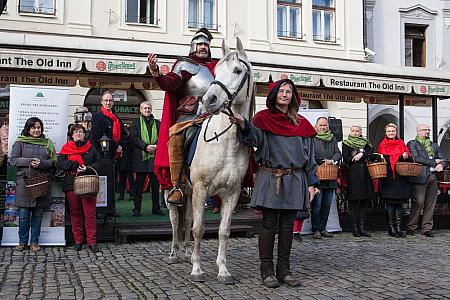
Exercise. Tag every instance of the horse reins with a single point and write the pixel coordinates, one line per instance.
(229, 103)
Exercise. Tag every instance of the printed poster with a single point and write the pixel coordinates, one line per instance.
(51, 105)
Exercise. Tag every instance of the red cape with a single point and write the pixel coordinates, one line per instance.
(393, 148)
(169, 117)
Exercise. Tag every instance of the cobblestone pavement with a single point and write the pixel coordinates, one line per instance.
(339, 268)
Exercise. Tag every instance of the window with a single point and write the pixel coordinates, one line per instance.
(141, 11)
(289, 18)
(415, 46)
(324, 23)
(45, 7)
(202, 13)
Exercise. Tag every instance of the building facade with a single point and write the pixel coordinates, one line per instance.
(414, 34)
(95, 45)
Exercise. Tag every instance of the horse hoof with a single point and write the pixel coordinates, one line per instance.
(172, 260)
(198, 277)
(224, 279)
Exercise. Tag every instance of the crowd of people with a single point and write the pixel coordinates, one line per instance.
(288, 151)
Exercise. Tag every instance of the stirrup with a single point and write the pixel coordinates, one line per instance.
(173, 190)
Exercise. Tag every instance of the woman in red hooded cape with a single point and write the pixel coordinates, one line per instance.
(286, 179)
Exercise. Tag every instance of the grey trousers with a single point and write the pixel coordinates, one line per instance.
(424, 196)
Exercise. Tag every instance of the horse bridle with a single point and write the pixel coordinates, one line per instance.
(231, 96)
(229, 102)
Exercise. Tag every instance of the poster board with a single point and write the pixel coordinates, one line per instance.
(51, 105)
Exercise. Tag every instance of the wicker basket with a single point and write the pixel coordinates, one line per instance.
(86, 185)
(378, 169)
(443, 177)
(36, 185)
(408, 168)
(327, 172)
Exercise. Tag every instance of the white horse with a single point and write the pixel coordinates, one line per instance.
(220, 161)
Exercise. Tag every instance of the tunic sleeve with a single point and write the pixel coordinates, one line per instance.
(250, 136)
(310, 166)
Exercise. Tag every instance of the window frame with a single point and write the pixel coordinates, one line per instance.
(409, 36)
(38, 13)
(200, 16)
(298, 4)
(322, 9)
(155, 8)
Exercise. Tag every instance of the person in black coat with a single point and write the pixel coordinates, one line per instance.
(75, 157)
(326, 152)
(355, 152)
(144, 136)
(104, 122)
(394, 189)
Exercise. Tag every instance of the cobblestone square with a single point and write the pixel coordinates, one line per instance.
(343, 267)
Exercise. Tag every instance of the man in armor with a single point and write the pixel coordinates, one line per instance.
(188, 81)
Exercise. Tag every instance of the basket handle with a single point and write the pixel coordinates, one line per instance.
(86, 169)
(29, 170)
(381, 155)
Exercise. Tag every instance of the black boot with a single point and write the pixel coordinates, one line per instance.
(266, 241)
(284, 251)
(362, 223)
(398, 223)
(354, 219)
(390, 217)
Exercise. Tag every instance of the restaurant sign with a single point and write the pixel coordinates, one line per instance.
(37, 79)
(432, 89)
(116, 66)
(367, 84)
(303, 79)
(40, 62)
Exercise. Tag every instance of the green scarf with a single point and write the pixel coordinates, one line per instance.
(40, 141)
(356, 142)
(326, 136)
(146, 138)
(426, 143)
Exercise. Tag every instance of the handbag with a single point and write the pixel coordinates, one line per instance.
(36, 185)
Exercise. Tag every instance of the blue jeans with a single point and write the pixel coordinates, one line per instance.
(24, 224)
(320, 209)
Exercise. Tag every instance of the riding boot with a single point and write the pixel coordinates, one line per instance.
(398, 223)
(266, 242)
(362, 223)
(284, 251)
(176, 159)
(354, 219)
(390, 217)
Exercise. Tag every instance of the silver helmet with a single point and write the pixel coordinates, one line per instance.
(201, 36)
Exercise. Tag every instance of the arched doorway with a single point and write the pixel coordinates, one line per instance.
(126, 102)
(376, 128)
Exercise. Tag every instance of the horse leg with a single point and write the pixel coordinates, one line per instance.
(187, 229)
(174, 219)
(227, 207)
(198, 229)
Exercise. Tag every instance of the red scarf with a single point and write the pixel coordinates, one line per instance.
(74, 153)
(393, 148)
(116, 124)
(275, 121)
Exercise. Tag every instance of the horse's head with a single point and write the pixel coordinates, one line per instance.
(233, 85)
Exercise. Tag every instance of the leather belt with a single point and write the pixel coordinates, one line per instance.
(278, 173)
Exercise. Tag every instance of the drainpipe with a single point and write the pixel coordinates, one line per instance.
(434, 118)
(401, 115)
